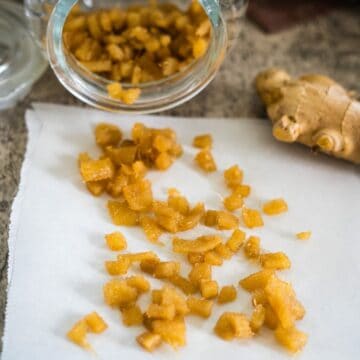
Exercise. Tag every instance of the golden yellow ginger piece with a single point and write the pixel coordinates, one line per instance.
(227, 294)
(200, 307)
(292, 339)
(205, 161)
(257, 280)
(329, 116)
(252, 218)
(149, 265)
(194, 258)
(116, 241)
(276, 261)
(97, 187)
(258, 296)
(77, 334)
(151, 229)
(203, 141)
(149, 341)
(95, 323)
(123, 155)
(107, 135)
(139, 195)
(305, 235)
(226, 221)
(117, 267)
(213, 258)
(200, 271)
(132, 315)
(271, 320)
(242, 190)
(232, 325)
(233, 202)
(199, 245)
(172, 332)
(210, 218)
(236, 240)
(166, 216)
(283, 302)
(121, 214)
(252, 247)
(165, 312)
(95, 170)
(139, 283)
(209, 288)
(163, 161)
(166, 269)
(178, 203)
(233, 176)
(167, 296)
(119, 293)
(138, 257)
(116, 91)
(275, 207)
(193, 217)
(223, 251)
(257, 318)
(183, 284)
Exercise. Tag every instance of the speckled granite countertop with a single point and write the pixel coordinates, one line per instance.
(329, 45)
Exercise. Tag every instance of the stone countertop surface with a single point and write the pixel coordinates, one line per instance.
(327, 45)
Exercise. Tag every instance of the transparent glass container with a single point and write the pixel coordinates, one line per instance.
(47, 17)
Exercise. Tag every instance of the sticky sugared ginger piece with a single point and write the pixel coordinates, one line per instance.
(121, 214)
(305, 235)
(172, 332)
(292, 339)
(257, 280)
(236, 240)
(233, 176)
(227, 294)
(275, 207)
(209, 289)
(107, 134)
(232, 325)
(252, 218)
(203, 141)
(149, 341)
(276, 261)
(132, 315)
(116, 241)
(257, 318)
(205, 161)
(200, 307)
(252, 247)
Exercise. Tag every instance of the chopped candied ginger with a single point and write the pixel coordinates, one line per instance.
(166, 269)
(139, 283)
(118, 293)
(77, 334)
(224, 252)
(148, 265)
(200, 307)
(178, 203)
(232, 325)
(199, 245)
(166, 216)
(192, 218)
(164, 312)
(95, 323)
(107, 135)
(233, 202)
(252, 247)
(205, 161)
(242, 190)
(172, 332)
(128, 96)
(116, 241)
(96, 170)
(97, 187)
(226, 221)
(163, 161)
(168, 295)
(276, 261)
(132, 315)
(138, 257)
(275, 207)
(183, 284)
(291, 339)
(213, 258)
(210, 218)
(233, 176)
(203, 141)
(305, 235)
(123, 155)
(117, 267)
(257, 280)
(162, 143)
(121, 214)
(227, 294)
(236, 240)
(151, 229)
(138, 195)
(149, 341)
(200, 271)
(252, 218)
(209, 288)
(194, 258)
(271, 320)
(257, 318)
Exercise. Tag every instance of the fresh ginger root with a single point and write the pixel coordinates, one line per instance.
(313, 110)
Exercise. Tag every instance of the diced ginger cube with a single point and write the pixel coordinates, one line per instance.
(179, 203)
(233, 202)
(193, 217)
(95, 323)
(166, 269)
(227, 294)
(203, 141)
(200, 307)
(252, 247)
(162, 143)
(257, 318)
(292, 339)
(149, 341)
(304, 235)
(275, 207)
(252, 218)
(276, 261)
(107, 134)
(149, 265)
(96, 170)
(139, 283)
(236, 240)
(121, 214)
(163, 161)
(183, 284)
(213, 258)
(194, 258)
(138, 195)
(172, 332)
(224, 251)
(118, 293)
(123, 155)
(257, 280)
(132, 315)
(117, 267)
(169, 295)
(233, 176)
(205, 161)
(232, 325)
(199, 245)
(138, 257)
(151, 229)
(77, 334)
(166, 216)
(199, 47)
(139, 169)
(116, 241)
(209, 289)
(242, 190)
(165, 312)
(226, 221)
(200, 271)
(210, 218)
(96, 188)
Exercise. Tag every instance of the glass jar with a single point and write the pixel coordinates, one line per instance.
(47, 17)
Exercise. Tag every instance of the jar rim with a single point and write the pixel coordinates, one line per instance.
(156, 96)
